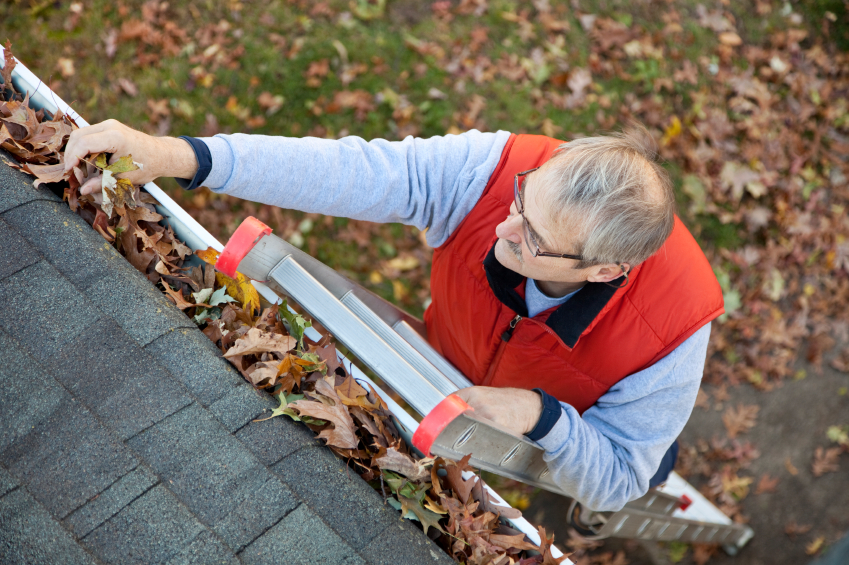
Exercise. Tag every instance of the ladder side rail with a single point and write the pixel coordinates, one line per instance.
(427, 351)
(296, 282)
(638, 524)
(271, 249)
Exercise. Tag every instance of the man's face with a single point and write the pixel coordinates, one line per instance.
(513, 251)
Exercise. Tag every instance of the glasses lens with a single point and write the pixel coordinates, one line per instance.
(529, 239)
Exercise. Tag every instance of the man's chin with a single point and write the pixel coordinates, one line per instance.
(506, 257)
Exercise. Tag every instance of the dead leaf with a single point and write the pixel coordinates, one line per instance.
(401, 463)
(741, 419)
(256, 341)
(825, 461)
(815, 546)
(766, 484)
(793, 529)
(788, 464)
(342, 434)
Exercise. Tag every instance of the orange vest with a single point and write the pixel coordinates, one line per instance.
(576, 351)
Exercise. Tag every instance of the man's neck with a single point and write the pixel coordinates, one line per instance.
(559, 289)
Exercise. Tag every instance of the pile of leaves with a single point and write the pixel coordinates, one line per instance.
(269, 348)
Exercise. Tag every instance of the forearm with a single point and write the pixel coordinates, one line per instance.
(430, 183)
(176, 158)
(608, 457)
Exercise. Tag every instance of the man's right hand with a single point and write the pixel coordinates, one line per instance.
(159, 156)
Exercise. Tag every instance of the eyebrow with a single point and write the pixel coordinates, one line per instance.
(536, 234)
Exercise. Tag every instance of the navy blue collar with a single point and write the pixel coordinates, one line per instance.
(569, 320)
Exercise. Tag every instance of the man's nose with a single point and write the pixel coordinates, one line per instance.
(511, 228)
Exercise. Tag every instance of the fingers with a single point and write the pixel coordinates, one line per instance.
(92, 185)
(92, 139)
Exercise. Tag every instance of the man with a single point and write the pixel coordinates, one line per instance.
(562, 282)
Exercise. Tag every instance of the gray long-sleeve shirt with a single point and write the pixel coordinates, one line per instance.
(605, 458)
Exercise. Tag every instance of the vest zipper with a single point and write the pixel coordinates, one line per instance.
(505, 337)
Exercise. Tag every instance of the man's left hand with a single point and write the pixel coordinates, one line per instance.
(515, 409)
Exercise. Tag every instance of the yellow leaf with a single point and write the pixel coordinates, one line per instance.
(241, 289)
(815, 545)
(208, 255)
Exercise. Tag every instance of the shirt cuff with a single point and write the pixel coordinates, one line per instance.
(223, 162)
(551, 412)
(204, 159)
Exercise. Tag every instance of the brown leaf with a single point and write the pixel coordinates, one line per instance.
(741, 419)
(263, 375)
(402, 463)
(256, 341)
(328, 355)
(343, 432)
(516, 541)
(766, 484)
(8, 66)
(825, 461)
(177, 297)
(454, 478)
(788, 464)
(46, 173)
(793, 529)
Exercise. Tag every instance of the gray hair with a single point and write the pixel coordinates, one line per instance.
(613, 194)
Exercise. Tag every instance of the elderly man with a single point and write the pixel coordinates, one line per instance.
(563, 284)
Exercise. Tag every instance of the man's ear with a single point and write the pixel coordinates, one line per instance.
(608, 272)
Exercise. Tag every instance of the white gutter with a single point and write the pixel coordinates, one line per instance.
(197, 237)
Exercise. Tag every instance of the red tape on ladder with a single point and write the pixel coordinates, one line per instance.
(436, 421)
(247, 235)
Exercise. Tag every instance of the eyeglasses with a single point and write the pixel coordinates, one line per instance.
(529, 236)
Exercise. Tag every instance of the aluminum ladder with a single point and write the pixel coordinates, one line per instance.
(392, 344)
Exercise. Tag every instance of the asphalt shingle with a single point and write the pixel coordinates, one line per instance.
(274, 439)
(242, 405)
(300, 538)
(111, 501)
(206, 549)
(356, 511)
(45, 310)
(7, 481)
(67, 458)
(192, 358)
(15, 252)
(404, 543)
(138, 307)
(17, 186)
(69, 243)
(31, 537)
(117, 379)
(222, 483)
(20, 374)
(153, 529)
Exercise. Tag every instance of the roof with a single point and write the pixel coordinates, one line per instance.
(126, 438)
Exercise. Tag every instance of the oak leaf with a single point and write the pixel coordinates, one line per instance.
(342, 434)
(257, 341)
(177, 297)
(825, 461)
(402, 463)
(741, 419)
(766, 484)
